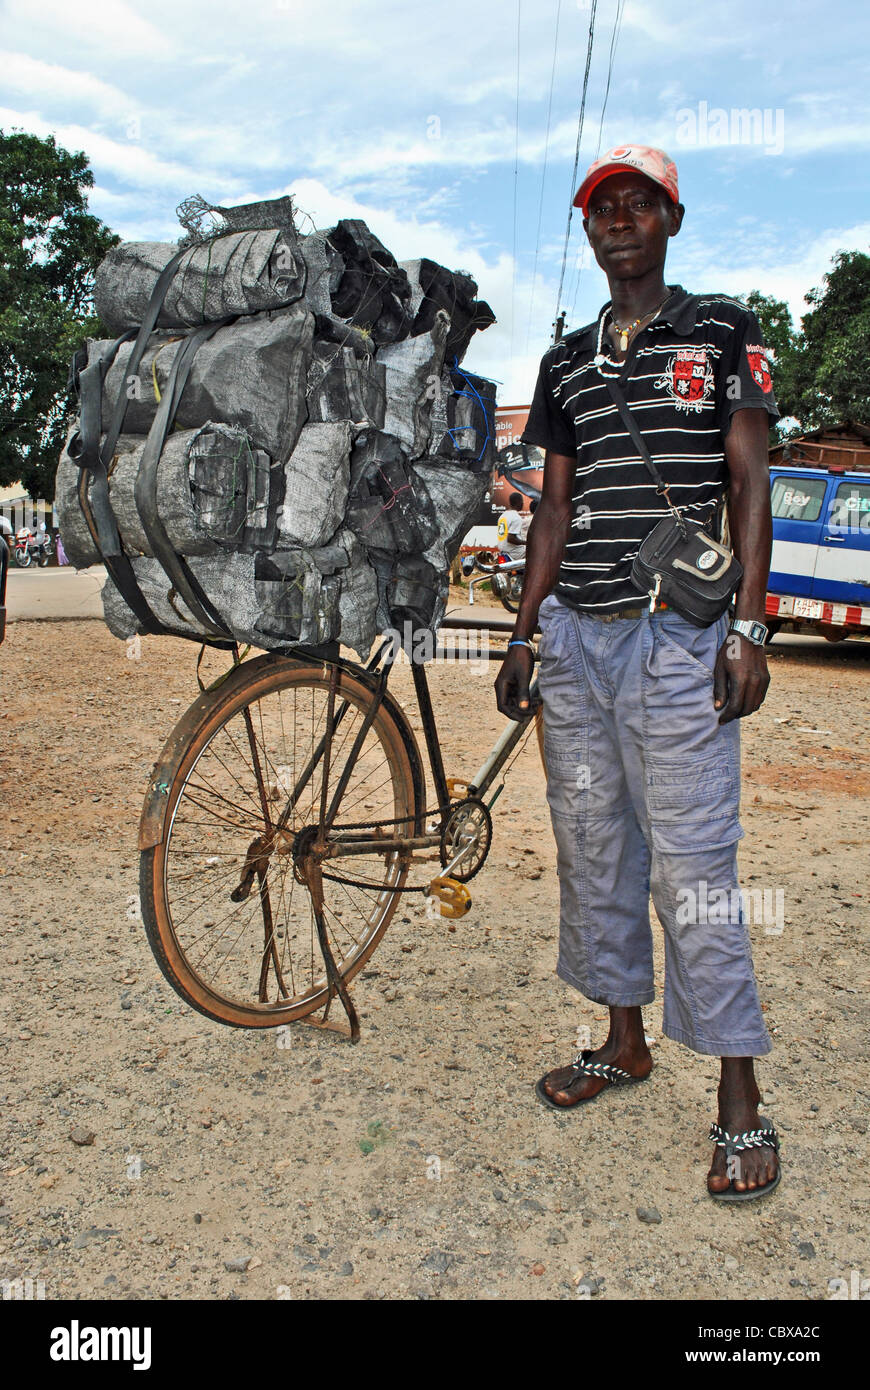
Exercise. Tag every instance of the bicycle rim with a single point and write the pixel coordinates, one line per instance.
(230, 923)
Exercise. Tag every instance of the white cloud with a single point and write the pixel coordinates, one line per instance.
(53, 84)
(765, 263)
(94, 24)
(335, 103)
(127, 160)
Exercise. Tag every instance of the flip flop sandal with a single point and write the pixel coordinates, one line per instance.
(582, 1067)
(765, 1136)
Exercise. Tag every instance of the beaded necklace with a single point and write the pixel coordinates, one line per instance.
(600, 356)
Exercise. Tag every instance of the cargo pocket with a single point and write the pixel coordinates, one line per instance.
(693, 648)
(693, 803)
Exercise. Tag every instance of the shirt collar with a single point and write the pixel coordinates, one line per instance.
(680, 310)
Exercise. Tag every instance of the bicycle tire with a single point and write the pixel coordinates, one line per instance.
(192, 771)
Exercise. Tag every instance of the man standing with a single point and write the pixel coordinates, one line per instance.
(640, 706)
(527, 519)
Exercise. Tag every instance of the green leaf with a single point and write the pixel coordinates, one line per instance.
(50, 247)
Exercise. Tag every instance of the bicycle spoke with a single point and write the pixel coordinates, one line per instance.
(238, 877)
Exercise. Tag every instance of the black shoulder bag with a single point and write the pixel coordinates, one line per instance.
(679, 562)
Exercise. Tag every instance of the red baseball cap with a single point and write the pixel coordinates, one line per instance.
(654, 163)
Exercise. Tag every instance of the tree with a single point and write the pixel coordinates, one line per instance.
(821, 374)
(833, 380)
(51, 246)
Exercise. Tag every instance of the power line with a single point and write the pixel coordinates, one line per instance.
(543, 174)
(516, 186)
(614, 39)
(593, 8)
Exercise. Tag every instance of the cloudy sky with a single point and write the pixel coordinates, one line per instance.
(450, 128)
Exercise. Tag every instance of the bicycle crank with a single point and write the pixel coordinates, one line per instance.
(465, 839)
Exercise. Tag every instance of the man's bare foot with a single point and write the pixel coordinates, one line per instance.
(738, 1111)
(625, 1047)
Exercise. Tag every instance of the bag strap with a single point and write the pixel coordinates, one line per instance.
(145, 486)
(93, 463)
(637, 438)
(640, 444)
(146, 328)
(84, 449)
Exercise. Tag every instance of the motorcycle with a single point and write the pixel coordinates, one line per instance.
(28, 548)
(505, 576)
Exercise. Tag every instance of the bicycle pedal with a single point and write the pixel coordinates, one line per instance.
(453, 896)
(457, 787)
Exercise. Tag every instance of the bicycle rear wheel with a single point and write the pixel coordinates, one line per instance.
(228, 916)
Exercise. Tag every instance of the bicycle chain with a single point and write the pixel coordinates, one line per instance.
(402, 820)
(375, 825)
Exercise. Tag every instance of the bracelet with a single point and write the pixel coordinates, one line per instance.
(522, 642)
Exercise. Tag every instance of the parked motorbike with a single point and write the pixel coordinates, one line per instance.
(29, 547)
(505, 576)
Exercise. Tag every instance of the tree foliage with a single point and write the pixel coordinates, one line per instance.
(821, 374)
(51, 246)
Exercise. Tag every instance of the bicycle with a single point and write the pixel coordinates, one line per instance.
(281, 822)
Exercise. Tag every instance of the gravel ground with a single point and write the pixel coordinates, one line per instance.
(148, 1153)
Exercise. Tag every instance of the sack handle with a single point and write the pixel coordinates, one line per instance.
(640, 444)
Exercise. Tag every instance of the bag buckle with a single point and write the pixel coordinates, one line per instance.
(654, 593)
(675, 511)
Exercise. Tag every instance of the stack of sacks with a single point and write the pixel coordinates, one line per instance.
(327, 452)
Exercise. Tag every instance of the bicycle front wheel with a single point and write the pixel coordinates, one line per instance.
(228, 914)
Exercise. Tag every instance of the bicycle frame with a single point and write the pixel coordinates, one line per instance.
(319, 845)
(477, 786)
(376, 674)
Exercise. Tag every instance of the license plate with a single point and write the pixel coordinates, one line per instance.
(807, 608)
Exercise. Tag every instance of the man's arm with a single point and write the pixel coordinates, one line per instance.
(545, 547)
(741, 677)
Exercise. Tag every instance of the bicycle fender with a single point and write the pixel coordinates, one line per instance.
(153, 810)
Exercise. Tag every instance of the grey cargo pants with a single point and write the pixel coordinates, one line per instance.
(643, 785)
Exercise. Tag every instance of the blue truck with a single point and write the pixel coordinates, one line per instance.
(820, 567)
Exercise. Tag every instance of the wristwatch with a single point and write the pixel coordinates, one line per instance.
(753, 632)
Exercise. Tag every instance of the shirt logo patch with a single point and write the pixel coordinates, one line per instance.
(688, 379)
(757, 358)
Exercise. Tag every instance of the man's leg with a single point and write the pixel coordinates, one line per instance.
(605, 944)
(689, 776)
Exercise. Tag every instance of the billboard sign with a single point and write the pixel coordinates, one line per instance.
(518, 468)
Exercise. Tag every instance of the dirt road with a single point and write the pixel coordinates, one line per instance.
(148, 1153)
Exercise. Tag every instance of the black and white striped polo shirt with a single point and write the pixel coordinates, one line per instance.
(684, 375)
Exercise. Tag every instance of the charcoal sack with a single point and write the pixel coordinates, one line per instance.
(324, 452)
(241, 273)
(252, 375)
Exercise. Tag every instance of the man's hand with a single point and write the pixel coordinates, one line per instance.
(548, 534)
(512, 683)
(740, 678)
